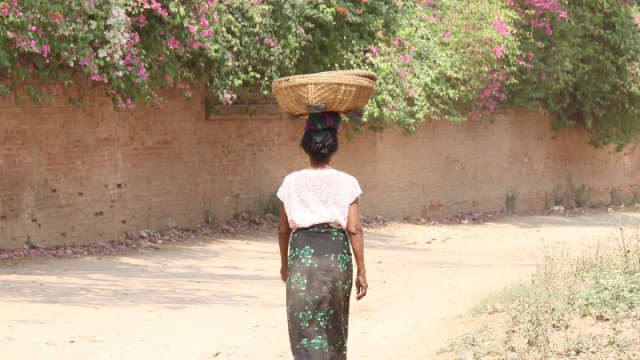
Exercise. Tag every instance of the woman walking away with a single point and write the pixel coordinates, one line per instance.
(320, 208)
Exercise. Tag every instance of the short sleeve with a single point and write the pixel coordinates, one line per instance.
(283, 191)
(354, 191)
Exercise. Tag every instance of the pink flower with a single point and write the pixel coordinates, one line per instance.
(406, 58)
(204, 22)
(192, 29)
(500, 27)
(173, 43)
(141, 20)
(207, 32)
(447, 35)
(411, 92)
(143, 73)
(271, 42)
(45, 50)
(56, 17)
(491, 104)
(398, 41)
(499, 50)
(301, 30)
(374, 50)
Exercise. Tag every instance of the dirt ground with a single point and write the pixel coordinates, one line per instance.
(223, 299)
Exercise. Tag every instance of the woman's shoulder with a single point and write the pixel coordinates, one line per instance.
(345, 176)
(333, 172)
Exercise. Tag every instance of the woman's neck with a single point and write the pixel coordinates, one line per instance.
(319, 165)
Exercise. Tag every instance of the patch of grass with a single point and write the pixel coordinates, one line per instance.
(617, 197)
(581, 196)
(270, 205)
(557, 194)
(636, 196)
(511, 200)
(570, 196)
(495, 303)
(573, 306)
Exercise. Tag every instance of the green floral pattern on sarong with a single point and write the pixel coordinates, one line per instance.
(319, 282)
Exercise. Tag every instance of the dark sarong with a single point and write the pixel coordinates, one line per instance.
(319, 280)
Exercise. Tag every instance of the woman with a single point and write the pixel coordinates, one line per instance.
(320, 207)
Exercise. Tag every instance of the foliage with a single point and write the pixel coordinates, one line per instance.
(573, 305)
(444, 63)
(135, 48)
(582, 66)
(455, 60)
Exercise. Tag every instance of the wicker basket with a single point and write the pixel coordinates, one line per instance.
(365, 74)
(339, 91)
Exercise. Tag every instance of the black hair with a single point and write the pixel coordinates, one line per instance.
(320, 144)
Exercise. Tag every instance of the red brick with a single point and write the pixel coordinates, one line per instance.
(149, 167)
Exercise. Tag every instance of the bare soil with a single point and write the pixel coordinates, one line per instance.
(223, 299)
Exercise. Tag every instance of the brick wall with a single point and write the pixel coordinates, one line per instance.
(79, 175)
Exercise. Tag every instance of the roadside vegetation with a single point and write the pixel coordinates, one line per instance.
(577, 61)
(584, 306)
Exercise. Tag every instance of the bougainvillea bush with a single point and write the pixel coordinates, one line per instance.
(134, 48)
(456, 60)
(578, 61)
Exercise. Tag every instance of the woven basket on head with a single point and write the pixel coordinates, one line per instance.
(339, 91)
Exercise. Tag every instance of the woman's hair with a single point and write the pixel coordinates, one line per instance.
(320, 144)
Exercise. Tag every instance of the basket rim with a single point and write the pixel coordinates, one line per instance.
(360, 73)
(324, 80)
(329, 76)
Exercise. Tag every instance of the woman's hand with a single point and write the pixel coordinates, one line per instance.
(361, 286)
(354, 229)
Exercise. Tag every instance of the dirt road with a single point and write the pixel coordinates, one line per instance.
(224, 299)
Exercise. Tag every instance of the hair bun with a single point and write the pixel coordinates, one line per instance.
(320, 143)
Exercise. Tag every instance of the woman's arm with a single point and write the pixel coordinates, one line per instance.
(354, 229)
(284, 233)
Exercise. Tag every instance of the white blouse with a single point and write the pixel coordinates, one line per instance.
(313, 197)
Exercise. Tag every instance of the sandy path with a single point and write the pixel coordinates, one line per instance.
(224, 300)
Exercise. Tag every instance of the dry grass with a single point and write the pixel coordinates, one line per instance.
(574, 307)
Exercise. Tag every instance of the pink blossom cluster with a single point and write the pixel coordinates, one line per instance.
(500, 27)
(490, 96)
(117, 57)
(11, 8)
(542, 14)
(155, 6)
(527, 62)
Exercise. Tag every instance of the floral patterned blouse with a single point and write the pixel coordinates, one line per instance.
(314, 197)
